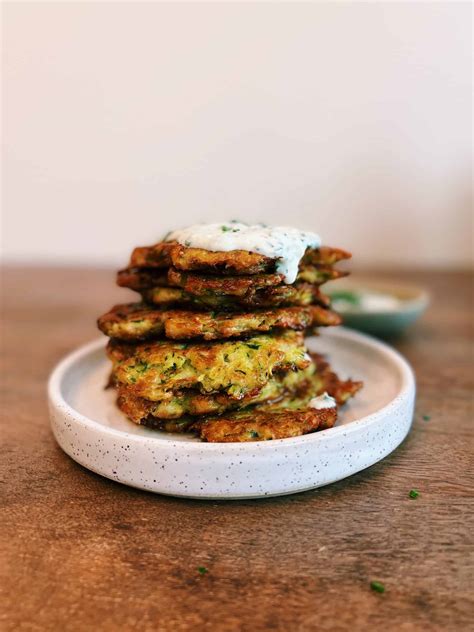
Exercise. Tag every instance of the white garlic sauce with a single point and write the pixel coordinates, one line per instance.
(322, 401)
(283, 243)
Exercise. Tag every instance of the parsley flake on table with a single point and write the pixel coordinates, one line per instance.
(414, 493)
(377, 587)
(202, 570)
(426, 417)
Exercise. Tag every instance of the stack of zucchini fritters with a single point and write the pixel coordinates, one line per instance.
(216, 346)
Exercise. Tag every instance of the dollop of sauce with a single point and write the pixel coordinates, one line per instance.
(379, 303)
(364, 301)
(285, 244)
(322, 401)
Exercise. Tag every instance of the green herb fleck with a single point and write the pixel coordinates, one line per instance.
(202, 570)
(253, 434)
(377, 587)
(187, 243)
(225, 229)
(141, 366)
(426, 417)
(252, 345)
(414, 493)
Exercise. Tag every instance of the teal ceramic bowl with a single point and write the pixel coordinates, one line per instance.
(380, 308)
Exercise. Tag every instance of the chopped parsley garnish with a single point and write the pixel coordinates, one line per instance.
(253, 434)
(377, 587)
(414, 493)
(202, 570)
(187, 243)
(426, 417)
(252, 345)
(225, 229)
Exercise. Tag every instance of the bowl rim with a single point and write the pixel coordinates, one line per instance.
(419, 301)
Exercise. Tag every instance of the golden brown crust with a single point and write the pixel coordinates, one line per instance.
(318, 275)
(286, 295)
(133, 322)
(239, 262)
(165, 254)
(138, 322)
(325, 255)
(240, 286)
(288, 416)
(341, 390)
(237, 367)
(158, 256)
(261, 426)
(144, 278)
(299, 294)
(233, 262)
(139, 279)
(215, 326)
(192, 402)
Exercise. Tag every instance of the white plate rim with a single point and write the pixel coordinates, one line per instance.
(407, 389)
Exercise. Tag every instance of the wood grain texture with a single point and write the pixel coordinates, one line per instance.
(84, 553)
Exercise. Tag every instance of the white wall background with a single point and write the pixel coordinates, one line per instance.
(122, 120)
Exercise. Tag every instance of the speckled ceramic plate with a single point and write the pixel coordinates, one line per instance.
(91, 430)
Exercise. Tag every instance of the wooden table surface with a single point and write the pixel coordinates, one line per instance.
(84, 553)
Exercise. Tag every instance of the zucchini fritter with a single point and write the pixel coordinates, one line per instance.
(287, 416)
(137, 321)
(192, 402)
(324, 255)
(139, 279)
(318, 274)
(245, 374)
(214, 326)
(239, 286)
(203, 284)
(299, 294)
(243, 286)
(166, 254)
(133, 322)
(260, 425)
(237, 368)
(158, 256)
